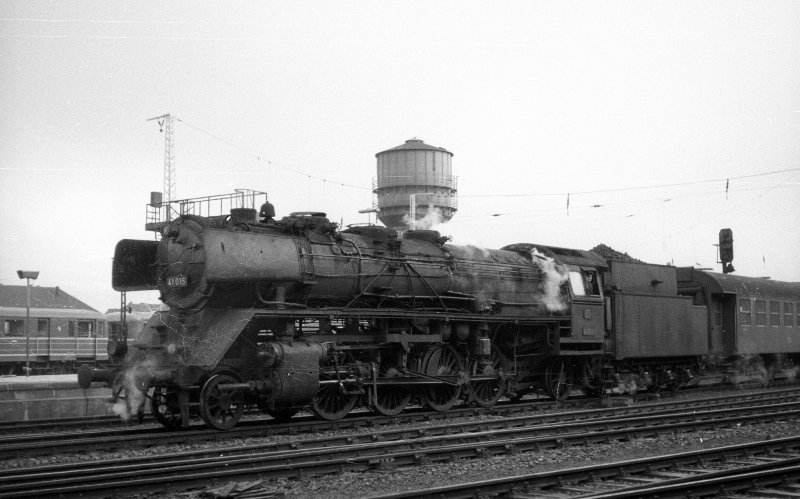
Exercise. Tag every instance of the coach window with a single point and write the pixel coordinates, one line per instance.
(14, 327)
(788, 314)
(43, 327)
(761, 313)
(85, 329)
(775, 313)
(745, 313)
(71, 331)
(797, 312)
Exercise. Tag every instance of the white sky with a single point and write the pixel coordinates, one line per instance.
(535, 99)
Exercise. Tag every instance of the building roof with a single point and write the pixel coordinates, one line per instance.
(415, 144)
(41, 298)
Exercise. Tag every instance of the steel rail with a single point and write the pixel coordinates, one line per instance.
(360, 456)
(713, 483)
(32, 444)
(612, 470)
(10, 427)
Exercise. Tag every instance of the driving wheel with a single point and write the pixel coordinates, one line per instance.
(390, 399)
(442, 361)
(486, 392)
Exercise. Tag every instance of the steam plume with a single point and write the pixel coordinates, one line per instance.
(433, 217)
(554, 276)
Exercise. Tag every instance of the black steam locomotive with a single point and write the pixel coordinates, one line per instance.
(294, 313)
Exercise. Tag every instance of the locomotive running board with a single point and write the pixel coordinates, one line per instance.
(394, 313)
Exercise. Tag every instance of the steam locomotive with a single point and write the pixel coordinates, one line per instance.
(294, 313)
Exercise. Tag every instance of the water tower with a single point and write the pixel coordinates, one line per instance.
(417, 173)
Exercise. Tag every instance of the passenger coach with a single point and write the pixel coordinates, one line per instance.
(63, 331)
(754, 321)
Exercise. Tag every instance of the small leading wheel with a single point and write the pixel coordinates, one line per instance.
(486, 392)
(559, 378)
(390, 399)
(442, 361)
(165, 407)
(221, 409)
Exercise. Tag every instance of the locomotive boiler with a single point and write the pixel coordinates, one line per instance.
(292, 313)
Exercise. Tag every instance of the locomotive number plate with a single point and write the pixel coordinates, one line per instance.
(177, 281)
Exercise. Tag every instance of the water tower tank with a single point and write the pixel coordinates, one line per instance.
(414, 168)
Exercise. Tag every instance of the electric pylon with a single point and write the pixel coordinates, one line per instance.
(165, 123)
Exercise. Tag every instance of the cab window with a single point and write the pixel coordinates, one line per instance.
(576, 280)
(591, 283)
(584, 283)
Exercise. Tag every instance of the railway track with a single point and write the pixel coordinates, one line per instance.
(14, 446)
(765, 469)
(504, 407)
(364, 451)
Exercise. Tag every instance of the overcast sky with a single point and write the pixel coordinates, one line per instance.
(663, 121)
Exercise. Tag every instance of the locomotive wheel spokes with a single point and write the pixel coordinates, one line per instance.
(221, 409)
(559, 378)
(486, 393)
(390, 400)
(442, 361)
(331, 403)
(165, 407)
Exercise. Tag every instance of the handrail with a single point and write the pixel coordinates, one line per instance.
(206, 206)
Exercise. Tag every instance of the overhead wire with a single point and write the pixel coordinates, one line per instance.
(568, 194)
(632, 188)
(575, 208)
(269, 163)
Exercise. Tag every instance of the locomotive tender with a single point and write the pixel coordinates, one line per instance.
(294, 313)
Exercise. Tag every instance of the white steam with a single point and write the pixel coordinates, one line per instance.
(433, 217)
(131, 400)
(554, 276)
